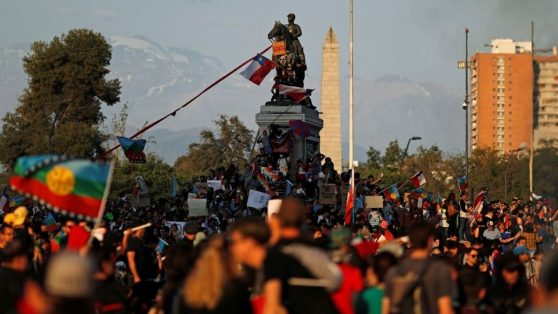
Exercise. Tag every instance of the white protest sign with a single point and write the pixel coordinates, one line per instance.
(257, 199)
(374, 202)
(197, 207)
(215, 184)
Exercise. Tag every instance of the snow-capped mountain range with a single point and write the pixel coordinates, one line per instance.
(157, 79)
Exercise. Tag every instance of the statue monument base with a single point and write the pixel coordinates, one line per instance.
(279, 113)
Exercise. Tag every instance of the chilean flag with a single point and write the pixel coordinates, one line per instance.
(418, 179)
(349, 206)
(258, 69)
(295, 93)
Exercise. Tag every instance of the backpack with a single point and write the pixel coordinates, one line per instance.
(327, 274)
(414, 300)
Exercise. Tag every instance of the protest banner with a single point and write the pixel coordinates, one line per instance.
(257, 199)
(215, 184)
(197, 207)
(374, 202)
(328, 194)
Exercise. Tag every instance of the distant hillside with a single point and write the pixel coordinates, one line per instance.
(157, 79)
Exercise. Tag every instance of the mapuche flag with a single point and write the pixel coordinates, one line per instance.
(391, 193)
(74, 187)
(133, 149)
(258, 69)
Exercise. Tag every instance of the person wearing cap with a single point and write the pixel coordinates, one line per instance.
(524, 256)
(352, 282)
(69, 282)
(291, 268)
(492, 234)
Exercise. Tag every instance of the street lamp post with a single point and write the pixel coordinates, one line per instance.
(414, 138)
(466, 102)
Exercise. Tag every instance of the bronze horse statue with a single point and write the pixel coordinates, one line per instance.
(291, 66)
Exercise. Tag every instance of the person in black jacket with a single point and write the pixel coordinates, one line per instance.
(510, 292)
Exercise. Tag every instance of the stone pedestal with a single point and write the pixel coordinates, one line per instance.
(279, 113)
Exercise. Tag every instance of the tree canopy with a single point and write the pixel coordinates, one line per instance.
(60, 110)
(232, 144)
(506, 175)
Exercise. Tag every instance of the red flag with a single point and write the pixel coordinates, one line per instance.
(479, 201)
(418, 179)
(349, 206)
(77, 238)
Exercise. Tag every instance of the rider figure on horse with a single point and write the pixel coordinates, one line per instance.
(296, 32)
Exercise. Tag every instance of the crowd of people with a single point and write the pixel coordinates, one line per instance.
(412, 256)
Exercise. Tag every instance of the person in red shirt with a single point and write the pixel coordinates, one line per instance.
(384, 225)
(345, 297)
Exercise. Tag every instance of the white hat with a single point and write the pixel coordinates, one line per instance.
(70, 276)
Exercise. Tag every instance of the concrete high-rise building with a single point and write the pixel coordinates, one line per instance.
(546, 98)
(513, 97)
(502, 96)
(330, 100)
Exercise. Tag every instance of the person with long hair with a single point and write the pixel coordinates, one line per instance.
(214, 285)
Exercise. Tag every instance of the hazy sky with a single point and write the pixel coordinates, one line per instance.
(420, 39)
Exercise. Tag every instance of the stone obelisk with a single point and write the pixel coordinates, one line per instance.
(330, 101)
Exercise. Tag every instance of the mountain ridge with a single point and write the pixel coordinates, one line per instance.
(157, 79)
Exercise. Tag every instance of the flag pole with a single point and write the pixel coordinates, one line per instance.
(351, 104)
(103, 203)
(173, 113)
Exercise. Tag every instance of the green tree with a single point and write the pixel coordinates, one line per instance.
(231, 145)
(156, 173)
(60, 110)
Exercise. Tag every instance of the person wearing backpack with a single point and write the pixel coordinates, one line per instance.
(419, 284)
(299, 277)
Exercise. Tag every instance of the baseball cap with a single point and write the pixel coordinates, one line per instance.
(69, 276)
(20, 214)
(521, 250)
(9, 219)
(340, 237)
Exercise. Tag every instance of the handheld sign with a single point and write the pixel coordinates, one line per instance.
(258, 200)
(197, 207)
(374, 202)
(327, 194)
(215, 184)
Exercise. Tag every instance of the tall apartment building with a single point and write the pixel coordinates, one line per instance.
(546, 98)
(502, 96)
